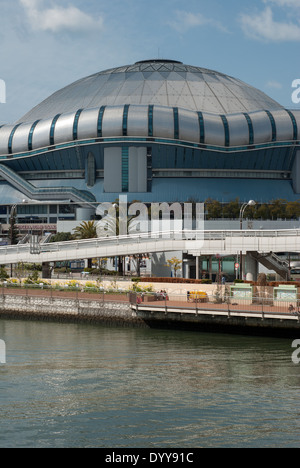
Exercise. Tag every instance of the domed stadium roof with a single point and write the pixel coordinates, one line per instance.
(158, 82)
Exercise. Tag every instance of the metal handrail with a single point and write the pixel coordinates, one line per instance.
(225, 307)
(154, 236)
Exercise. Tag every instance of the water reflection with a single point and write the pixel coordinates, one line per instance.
(91, 386)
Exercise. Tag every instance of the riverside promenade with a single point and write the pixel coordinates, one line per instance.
(154, 310)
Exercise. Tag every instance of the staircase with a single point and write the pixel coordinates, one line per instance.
(48, 193)
(273, 262)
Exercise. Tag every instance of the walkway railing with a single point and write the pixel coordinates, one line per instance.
(151, 236)
(216, 304)
(64, 292)
(197, 303)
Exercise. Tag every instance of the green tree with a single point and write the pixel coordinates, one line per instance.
(293, 210)
(175, 264)
(213, 209)
(86, 230)
(263, 211)
(62, 237)
(278, 209)
(232, 209)
(3, 273)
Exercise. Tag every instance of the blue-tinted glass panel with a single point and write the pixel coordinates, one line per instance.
(31, 135)
(176, 123)
(100, 121)
(75, 125)
(273, 124)
(125, 119)
(53, 128)
(202, 129)
(125, 169)
(295, 126)
(226, 128)
(251, 130)
(150, 121)
(11, 138)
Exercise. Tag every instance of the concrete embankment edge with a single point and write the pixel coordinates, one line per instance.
(121, 314)
(68, 310)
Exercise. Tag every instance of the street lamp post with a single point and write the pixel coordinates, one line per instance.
(13, 213)
(242, 211)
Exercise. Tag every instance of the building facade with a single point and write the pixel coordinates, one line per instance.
(158, 131)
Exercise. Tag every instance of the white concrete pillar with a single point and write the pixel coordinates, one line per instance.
(197, 267)
(250, 268)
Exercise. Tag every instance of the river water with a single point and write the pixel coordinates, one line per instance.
(77, 385)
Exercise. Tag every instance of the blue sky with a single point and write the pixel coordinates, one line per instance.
(48, 44)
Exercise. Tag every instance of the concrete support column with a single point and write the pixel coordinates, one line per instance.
(197, 267)
(250, 268)
(46, 271)
(187, 270)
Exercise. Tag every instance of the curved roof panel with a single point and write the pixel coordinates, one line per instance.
(156, 82)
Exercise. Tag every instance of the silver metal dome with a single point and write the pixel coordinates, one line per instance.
(154, 99)
(156, 82)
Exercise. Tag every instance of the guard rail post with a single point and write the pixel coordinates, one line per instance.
(228, 306)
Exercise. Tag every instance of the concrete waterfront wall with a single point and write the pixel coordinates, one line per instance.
(63, 309)
(121, 314)
(210, 322)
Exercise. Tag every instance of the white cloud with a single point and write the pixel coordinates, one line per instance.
(58, 18)
(263, 26)
(185, 21)
(282, 3)
(274, 85)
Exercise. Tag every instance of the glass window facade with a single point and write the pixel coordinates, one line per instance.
(75, 126)
(150, 121)
(31, 135)
(125, 119)
(226, 130)
(52, 129)
(273, 124)
(11, 139)
(251, 130)
(295, 126)
(125, 169)
(100, 121)
(176, 123)
(202, 129)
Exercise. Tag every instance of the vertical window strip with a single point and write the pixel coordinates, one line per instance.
(202, 128)
(52, 129)
(176, 123)
(30, 136)
(251, 130)
(273, 124)
(100, 121)
(294, 122)
(125, 169)
(75, 125)
(11, 138)
(125, 119)
(150, 121)
(149, 169)
(226, 130)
